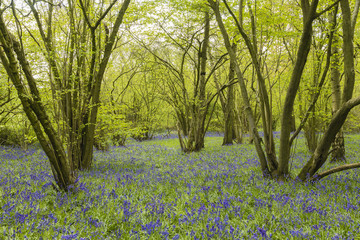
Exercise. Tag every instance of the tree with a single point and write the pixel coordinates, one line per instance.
(187, 74)
(338, 152)
(314, 118)
(264, 102)
(227, 101)
(321, 153)
(310, 14)
(348, 25)
(76, 82)
(249, 113)
(231, 131)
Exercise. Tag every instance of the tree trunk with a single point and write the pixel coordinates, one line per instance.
(310, 133)
(232, 126)
(265, 108)
(199, 106)
(284, 154)
(229, 107)
(228, 104)
(238, 126)
(348, 49)
(12, 56)
(229, 118)
(201, 111)
(78, 104)
(88, 140)
(238, 132)
(310, 128)
(338, 146)
(244, 93)
(348, 25)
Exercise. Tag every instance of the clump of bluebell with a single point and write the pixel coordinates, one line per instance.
(149, 191)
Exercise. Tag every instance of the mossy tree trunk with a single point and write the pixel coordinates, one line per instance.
(322, 151)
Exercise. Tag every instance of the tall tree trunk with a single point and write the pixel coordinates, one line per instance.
(338, 146)
(200, 135)
(229, 118)
(88, 137)
(238, 127)
(348, 25)
(252, 126)
(228, 104)
(231, 130)
(199, 106)
(265, 108)
(229, 107)
(348, 49)
(310, 128)
(310, 132)
(309, 13)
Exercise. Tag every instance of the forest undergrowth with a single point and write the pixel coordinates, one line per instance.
(151, 190)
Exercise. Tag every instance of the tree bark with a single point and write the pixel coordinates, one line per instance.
(198, 105)
(348, 26)
(32, 105)
(201, 113)
(88, 141)
(338, 146)
(309, 13)
(229, 107)
(335, 170)
(348, 49)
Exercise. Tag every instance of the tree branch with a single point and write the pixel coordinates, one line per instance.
(87, 20)
(355, 14)
(104, 14)
(335, 170)
(326, 9)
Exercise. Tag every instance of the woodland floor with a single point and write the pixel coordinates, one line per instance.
(151, 190)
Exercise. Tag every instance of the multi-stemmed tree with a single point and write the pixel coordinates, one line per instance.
(185, 64)
(76, 39)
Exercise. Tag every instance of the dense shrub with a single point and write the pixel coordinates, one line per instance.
(118, 139)
(15, 137)
(142, 133)
(7, 136)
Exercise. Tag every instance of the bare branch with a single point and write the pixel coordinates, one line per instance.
(326, 9)
(104, 14)
(335, 170)
(87, 20)
(217, 65)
